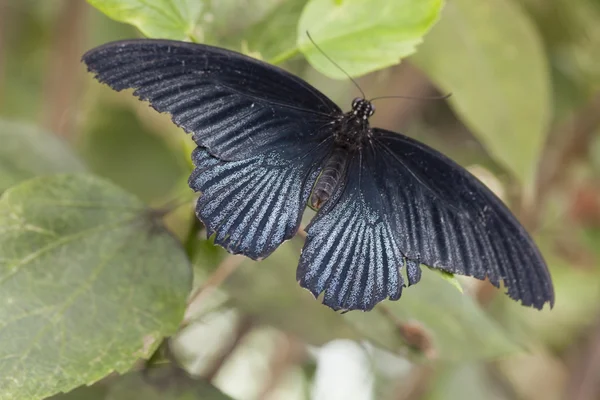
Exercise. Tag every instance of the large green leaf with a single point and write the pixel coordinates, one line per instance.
(216, 22)
(363, 35)
(89, 283)
(490, 57)
(26, 151)
(168, 19)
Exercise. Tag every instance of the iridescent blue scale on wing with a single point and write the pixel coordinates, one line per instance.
(351, 252)
(254, 205)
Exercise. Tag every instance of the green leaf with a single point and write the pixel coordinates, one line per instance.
(167, 19)
(449, 277)
(363, 35)
(89, 283)
(490, 57)
(226, 27)
(274, 37)
(26, 151)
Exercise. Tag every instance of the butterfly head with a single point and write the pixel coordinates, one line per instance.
(362, 108)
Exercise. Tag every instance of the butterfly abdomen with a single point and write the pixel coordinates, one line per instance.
(330, 177)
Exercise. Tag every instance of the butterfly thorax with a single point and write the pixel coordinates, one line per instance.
(352, 129)
(351, 132)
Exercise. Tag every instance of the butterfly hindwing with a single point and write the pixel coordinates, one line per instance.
(351, 251)
(253, 205)
(236, 106)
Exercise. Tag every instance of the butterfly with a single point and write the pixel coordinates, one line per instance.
(269, 144)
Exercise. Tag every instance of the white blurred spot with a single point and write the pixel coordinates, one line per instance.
(344, 372)
(199, 344)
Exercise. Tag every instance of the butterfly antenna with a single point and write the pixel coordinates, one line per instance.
(444, 97)
(336, 64)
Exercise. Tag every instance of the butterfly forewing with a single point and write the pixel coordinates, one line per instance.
(236, 106)
(465, 229)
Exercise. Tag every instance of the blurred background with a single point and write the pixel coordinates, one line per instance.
(250, 331)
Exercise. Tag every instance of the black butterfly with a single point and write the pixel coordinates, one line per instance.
(269, 143)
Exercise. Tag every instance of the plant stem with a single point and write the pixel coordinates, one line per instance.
(286, 55)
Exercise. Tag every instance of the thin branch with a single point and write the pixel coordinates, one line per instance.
(171, 206)
(289, 353)
(65, 72)
(413, 333)
(243, 328)
(5, 19)
(416, 384)
(569, 143)
(227, 267)
(584, 381)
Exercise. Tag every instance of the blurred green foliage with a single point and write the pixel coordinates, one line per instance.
(498, 43)
(28, 152)
(525, 84)
(129, 152)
